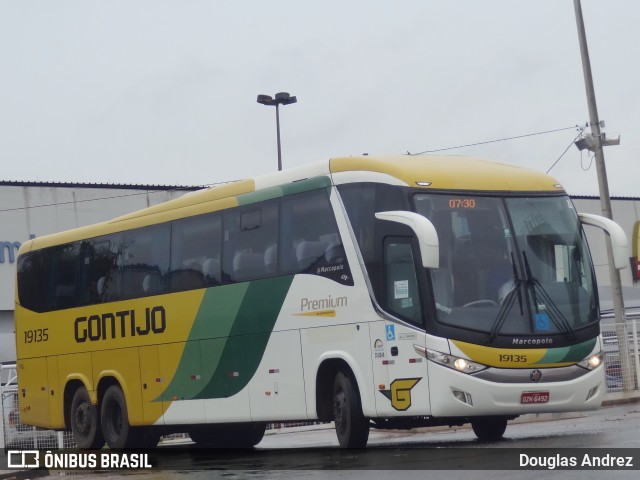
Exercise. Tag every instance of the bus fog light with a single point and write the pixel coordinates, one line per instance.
(464, 397)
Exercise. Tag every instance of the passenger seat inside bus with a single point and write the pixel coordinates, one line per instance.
(271, 258)
(152, 283)
(211, 271)
(309, 252)
(248, 265)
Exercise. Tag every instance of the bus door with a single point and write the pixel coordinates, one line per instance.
(400, 372)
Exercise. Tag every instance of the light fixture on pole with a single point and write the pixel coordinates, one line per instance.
(282, 98)
(590, 142)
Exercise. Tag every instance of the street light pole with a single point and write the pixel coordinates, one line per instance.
(595, 144)
(282, 98)
(278, 136)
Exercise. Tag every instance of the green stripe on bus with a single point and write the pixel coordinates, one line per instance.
(574, 353)
(228, 339)
(283, 190)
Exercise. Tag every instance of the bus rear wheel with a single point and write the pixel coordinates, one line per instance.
(489, 429)
(114, 418)
(352, 427)
(85, 424)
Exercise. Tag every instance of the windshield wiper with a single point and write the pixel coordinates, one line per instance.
(507, 304)
(552, 310)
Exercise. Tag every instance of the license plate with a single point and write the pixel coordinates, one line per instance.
(534, 397)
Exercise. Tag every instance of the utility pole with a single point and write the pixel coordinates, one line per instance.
(595, 144)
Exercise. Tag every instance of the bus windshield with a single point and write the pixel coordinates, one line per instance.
(510, 265)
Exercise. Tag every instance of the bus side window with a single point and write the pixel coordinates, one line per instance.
(145, 262)
(250, 249)
(62, 276)
(195, 252)
(310, 239)
(98, 270)
(402, 293)
(32, 280)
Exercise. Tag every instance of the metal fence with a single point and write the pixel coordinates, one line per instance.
(622, 369)
(15, 434)
(619, 378)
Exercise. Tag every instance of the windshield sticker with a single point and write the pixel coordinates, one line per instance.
(406, 303)
(401, 289)
(542, 322)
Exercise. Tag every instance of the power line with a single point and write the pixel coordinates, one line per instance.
(497, 140)
(2, 210)
(79, 201)
(568, 147)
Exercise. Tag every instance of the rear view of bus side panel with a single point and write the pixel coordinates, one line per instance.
(34, 392)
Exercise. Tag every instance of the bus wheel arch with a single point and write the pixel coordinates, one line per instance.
(338, 398)
(325, 379)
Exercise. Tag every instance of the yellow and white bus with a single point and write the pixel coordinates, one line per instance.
(385, 292)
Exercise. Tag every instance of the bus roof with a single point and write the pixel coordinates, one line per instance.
(424, 171)
(451, 173)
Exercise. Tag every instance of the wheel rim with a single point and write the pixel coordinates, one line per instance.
(83, 418)
(340, 416)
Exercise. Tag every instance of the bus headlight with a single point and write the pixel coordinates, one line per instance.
(594, 361)
(451, 361)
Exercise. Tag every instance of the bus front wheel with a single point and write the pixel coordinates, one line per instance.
(352, 427)
(489, 429)
(85, 424)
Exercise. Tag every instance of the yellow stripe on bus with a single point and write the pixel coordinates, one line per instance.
(505, 357)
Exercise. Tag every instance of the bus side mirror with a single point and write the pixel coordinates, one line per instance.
(424, 231)
(619, 242)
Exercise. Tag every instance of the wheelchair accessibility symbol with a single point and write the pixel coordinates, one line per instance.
(391, 332)
(542, 322)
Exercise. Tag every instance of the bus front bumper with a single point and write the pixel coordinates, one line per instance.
(456, 394)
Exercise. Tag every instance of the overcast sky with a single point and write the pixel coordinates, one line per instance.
(164, 91)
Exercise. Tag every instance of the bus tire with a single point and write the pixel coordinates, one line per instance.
(352, 427)
(114, 418)
(248, 435)
(85, 422)
(144, 437)
(239, 435)
(489, 429)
